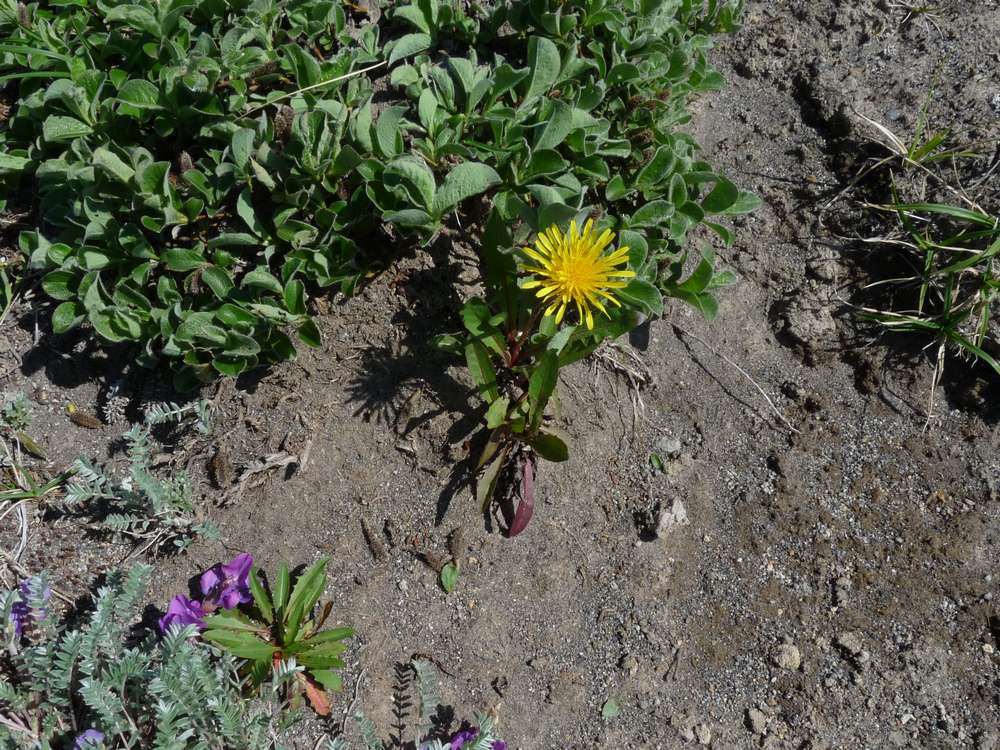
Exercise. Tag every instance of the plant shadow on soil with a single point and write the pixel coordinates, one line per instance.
(393, 372)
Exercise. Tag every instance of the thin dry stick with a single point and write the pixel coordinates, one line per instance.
(935, 379)
(742, 372)
(290, 94)
(349, 711)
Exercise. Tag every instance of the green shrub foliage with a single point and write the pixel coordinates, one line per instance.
(197, 168)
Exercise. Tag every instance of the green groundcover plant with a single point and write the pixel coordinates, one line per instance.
(195, 169)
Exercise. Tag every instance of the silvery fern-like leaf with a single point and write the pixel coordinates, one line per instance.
(484, 741)
(169, 411)
(369, 734)
(284, 672)
(427, 693)
(105, 702)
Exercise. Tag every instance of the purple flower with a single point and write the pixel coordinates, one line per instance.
(499, 745)
(183, 611)
(463, 736)
(22, 612)
(226, 585)
(88, 738)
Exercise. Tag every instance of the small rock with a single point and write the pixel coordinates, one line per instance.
(850, 642)
(675, 515)
(669, 446)
(629, 664)
(404, 586)
(756, 721)
(704, 734)
(684, 726)
(540, 662)
(787, 656)
(810, 324)
(841, 589)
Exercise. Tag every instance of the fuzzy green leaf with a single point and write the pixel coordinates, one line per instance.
(545, 64)
(464, 181)
(409, 45)
(140, 93)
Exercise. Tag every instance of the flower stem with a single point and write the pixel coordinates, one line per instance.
(525, 334)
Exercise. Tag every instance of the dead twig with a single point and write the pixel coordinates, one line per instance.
(349, 711)
(263, 466)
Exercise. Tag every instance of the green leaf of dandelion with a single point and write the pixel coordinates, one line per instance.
(409, 45)
(541, 384)
(481, 369)
(643, 295)
(415, 177)
(387, 131)
(722, 198)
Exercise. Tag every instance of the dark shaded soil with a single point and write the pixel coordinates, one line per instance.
(836, 579)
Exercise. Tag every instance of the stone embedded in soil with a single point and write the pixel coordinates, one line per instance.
(675, 515)
(756, 721)
(629, 664)
(669, 446)
(850, 642)
(787, 656)
(704, 734)
(841, 588)
(809, 323)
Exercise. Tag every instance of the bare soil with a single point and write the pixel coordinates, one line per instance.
(835, 583)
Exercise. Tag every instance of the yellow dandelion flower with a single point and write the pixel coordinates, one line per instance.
(573, 267)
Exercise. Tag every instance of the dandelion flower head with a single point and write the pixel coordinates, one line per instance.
(573, 267)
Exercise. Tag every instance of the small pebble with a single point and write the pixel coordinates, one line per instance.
(850, 642)
(704, 734)
(787, 656)
(756, 721)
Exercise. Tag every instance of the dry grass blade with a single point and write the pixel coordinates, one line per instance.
(741, 371)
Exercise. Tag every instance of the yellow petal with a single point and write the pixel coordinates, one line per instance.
(562, 311)
(535, 255)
